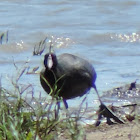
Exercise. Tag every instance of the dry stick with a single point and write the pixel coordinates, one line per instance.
(7, 36)
(106, 112)
(1, 38)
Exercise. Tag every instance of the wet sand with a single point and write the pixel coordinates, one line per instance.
(128, 131)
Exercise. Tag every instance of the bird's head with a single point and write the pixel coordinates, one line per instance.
(50, 60)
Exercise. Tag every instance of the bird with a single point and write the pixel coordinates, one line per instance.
(67, 76)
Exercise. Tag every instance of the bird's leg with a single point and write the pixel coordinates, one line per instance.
(94, 86)
(65, 103)
(66, 107)
(57, 108)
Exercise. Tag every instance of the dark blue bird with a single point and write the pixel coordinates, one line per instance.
(73, 76)
(69, 76)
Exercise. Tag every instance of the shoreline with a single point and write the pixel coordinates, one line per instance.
(127, 131)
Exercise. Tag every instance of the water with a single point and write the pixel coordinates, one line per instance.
(105, 32)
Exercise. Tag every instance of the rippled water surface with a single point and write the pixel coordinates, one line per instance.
(106, 32)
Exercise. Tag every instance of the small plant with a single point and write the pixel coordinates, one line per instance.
(4, 37)
(40, 47)
(75, 129)
(21, 120)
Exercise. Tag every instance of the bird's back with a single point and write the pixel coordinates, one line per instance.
(68, 64)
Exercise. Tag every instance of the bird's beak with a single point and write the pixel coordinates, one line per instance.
(49, 62)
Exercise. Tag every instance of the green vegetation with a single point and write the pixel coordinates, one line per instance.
(19, 120)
